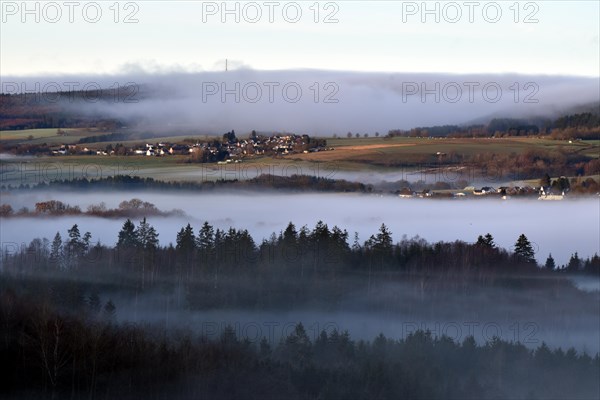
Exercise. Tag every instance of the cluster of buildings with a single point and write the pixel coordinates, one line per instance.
(504, 192)
(230, 148)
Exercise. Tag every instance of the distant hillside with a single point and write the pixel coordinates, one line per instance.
(580, 122)
(55, 109)
(63, 110)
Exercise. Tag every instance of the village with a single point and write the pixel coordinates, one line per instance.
(548, 193)
(229, 149)
(506, 192)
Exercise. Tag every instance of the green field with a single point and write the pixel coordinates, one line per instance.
(23, 135)
(171, 168)
(49, 136)
(361, 150)
(365, 155)
(418, 150)
(73, 135)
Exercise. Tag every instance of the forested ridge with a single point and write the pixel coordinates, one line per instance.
(264, 181)
(48, 355)
(61, 335)
(321, 251)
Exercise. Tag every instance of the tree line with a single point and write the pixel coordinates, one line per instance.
(266, 181)
(127, 208)
(321, 252)
(85, 354)
(60, 339)
(584, 125)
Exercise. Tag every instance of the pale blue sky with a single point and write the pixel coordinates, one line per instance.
(370, 36)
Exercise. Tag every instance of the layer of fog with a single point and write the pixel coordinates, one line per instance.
(587, 283)
(17, 170)
(13, 157)
(527, 317)
(345, 101)
(560, 228)
(329, 170)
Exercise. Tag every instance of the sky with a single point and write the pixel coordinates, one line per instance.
(541, 37)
